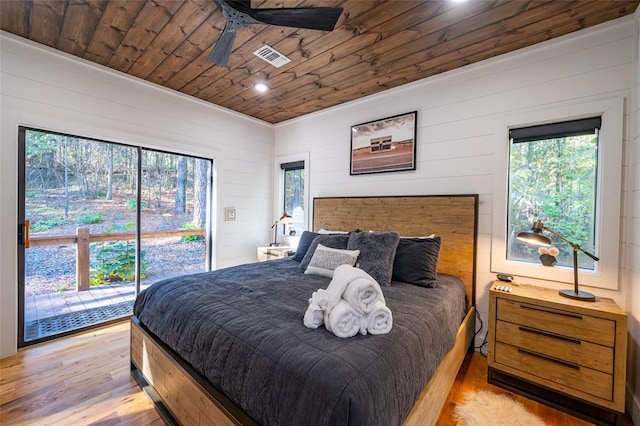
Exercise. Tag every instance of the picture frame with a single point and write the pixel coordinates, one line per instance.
(385, 145)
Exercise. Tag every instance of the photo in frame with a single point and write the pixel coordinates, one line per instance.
(386, 145)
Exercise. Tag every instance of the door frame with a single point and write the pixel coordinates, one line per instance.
(22, 232)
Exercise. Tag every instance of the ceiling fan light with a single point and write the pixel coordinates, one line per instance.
(261, 87)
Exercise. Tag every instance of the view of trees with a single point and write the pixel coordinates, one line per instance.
(294, 198)
(73, 182)
(87, 169)
(554, 181)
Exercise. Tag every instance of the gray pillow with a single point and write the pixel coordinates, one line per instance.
(417, 261)
(326, 259)
(333, 241)
(306, 239)
(377, 252)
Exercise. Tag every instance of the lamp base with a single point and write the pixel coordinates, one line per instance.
(275, 244)
(580, 295)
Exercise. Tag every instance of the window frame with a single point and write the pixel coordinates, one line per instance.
(608, 189)
(279, 187)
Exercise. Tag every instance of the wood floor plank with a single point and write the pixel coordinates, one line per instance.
(85, 380)
(77, 380)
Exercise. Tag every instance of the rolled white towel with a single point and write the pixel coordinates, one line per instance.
(363, 293)
(344, 320)
(379, 320)
(323, 300)
(314, 316)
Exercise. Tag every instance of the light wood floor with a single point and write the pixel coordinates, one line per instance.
(77, 380)
(85, 380)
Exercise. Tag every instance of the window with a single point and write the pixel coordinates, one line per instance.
(553, 178)
(294, 196)
(525, 190)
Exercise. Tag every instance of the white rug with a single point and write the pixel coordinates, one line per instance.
(490, 409)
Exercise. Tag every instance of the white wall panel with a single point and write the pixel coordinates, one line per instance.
(631, 238)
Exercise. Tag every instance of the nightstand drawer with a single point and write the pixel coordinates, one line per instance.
(566, 323)
(571, 350)
(566, 374)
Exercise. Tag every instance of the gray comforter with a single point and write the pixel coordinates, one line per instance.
(241, 328)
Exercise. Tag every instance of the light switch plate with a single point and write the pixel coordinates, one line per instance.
(230, 214)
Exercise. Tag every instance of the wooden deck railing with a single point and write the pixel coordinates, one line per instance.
(84, 238)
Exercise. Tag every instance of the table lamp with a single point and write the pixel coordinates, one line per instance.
(536, 237)
(285, 218)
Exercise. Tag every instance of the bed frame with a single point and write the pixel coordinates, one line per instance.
(182, 396)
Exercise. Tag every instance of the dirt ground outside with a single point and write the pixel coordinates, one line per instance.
(52, 268)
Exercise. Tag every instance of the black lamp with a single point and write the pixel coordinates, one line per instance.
(285, 218)
(535, 237)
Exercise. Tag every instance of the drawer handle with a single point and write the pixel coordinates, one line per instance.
(551, 311)
(548, 334)
(548, 358)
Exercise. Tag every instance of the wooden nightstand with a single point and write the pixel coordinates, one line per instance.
(274, 252)
(568, 354)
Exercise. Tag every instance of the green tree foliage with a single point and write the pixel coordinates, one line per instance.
(294, 187)
(85, 169)
(64, 175)
(115, 261)
(554, 181)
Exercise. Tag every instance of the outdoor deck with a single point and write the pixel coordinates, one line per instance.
(53, 313)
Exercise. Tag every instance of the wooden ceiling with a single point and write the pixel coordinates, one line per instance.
(376, 45)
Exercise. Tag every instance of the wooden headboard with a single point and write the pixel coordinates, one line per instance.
(452, 217)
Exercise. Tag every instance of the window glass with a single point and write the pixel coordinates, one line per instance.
(294, 197)
(553, 173)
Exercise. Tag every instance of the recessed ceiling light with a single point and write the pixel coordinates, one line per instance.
(261, 87)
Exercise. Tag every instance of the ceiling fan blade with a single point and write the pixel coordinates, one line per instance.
(237, 10)
(239, 13)
(222, 50)
(312, 18)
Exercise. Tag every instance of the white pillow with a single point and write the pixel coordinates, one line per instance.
(326, 259)
(325, 231)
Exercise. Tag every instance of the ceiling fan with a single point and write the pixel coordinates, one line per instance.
(239, 13)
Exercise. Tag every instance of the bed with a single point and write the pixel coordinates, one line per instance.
(189, 331)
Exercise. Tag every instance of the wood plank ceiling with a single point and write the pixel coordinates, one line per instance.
(376, 45)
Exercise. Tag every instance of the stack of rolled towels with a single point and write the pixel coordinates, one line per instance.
(352, 303)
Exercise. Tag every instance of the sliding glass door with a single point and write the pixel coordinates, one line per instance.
(98, 222)
(175, 199)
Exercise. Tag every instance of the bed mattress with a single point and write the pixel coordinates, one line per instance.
(241, 328)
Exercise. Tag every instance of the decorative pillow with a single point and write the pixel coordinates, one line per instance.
(377, 251)
(323, 231)
(420, 236)
(306, 239)
(417, 261)
(333, 241)
(326, 259)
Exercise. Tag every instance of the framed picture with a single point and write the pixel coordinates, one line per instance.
(386, 145)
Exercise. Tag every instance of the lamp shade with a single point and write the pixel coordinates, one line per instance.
(534, 238)
(285, 218)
